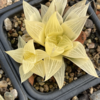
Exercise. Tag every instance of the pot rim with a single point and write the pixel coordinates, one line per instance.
(67, 91)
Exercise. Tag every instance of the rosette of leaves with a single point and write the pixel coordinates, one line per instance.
(58, 34)
(30, 59)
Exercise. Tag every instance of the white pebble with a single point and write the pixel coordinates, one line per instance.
(9, 2)
(14, 93)
(8, 24)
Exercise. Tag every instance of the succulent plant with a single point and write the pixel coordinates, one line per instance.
(57, 34)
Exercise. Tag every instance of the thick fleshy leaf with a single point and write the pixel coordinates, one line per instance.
(23, 76)
(65, 43)
(78, 12)
(35, 30)
(28, 65)
(31, 13)
(1, 98)
(39, 69)
(53, 26)
(73, 28)
(51, 39)
(78, 51)
(75, 6)
(40, 54)
(63, 6)
(53, 50)
(60, 5)
(43, 10)
(21, 42)
(85, 64)
(59, 76)
(29, 56)
(17, 54)
(29, 47)
(49, 12)
(59, 17)
(52, 65)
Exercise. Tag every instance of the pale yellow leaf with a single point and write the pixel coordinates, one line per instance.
(40, 54)
(43, 10)
(73, 28)
(53, 26)
(85, 64)
(52, 65)
(59, 76)
(75, 6)
(29, 47)
(21, 42)
(78, 51)
(60, 6)
(17, 54)
(65, 43)
(27, 65)
(35, 30)
(63, 6)
(52, 39)
(49, 12)
(31, 13)
(59, 17)
(39, 69)
(29, 56)
(23, 76)
(78, 12)
(53, 50)
(1, 98)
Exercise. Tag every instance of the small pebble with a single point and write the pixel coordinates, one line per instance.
(11, 88)
(67, 77)
(9, 2)
(89, 41)
(41, 89)
(47, 4)
(8, 24)
(89, 24)
(14, 93)
(1, 71)
(13, 41)
(71, 74)
(75, 98)
(98, 6)
(41, 83)
(46, 88)
(3, 84)
(9, 83)
(0, 75)
(37, 88)
(91, 45)
(22, 29)
(75, 78)
(16, 1)
(14, 35)
(39, 79)
(16, 24)
(70, 80)
(87, 32)
(98, 49)
(8, 96)
(91, 90)
(51, 86)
